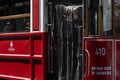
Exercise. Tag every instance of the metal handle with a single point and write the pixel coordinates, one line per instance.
(50, 38)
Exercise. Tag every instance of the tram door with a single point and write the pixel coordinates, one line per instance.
(66, 40)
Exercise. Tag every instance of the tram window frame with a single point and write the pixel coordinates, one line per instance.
(89, 17)
(14, 17)
(100, 19)
(116, 17)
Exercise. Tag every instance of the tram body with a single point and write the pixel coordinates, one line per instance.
(23, 54)
(102, 58)
(36, 48)
(64, 40)
(101, 43)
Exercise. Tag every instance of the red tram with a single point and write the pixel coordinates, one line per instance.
(59, 39)
(101, 41)
(23, 40)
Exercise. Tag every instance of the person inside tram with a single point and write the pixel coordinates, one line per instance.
(107, 17)
(27, 28)
(10, 27)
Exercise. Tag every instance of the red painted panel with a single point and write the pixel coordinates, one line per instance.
(15, 47)
(14, 68)
(37, 46)
(117, 57)
(39, 72)
(99, 52)
(36, 15)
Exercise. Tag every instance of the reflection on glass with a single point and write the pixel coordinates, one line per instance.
(15, 25)
(107, 17)
(93, 16)
(14, 16)
(117, 16)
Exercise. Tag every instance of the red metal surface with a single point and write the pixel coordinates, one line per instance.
(36, 14)
(100, 60)
(11, 46)
(117, 59)
(23, 56)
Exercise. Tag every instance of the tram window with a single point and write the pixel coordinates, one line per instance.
(93, 17)
(20, 25)
(117, 17)
(107, 17)
(14, 13)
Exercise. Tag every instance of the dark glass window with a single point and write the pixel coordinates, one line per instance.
(14, 15)
(93, 16)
